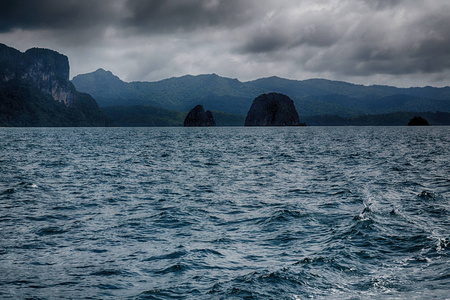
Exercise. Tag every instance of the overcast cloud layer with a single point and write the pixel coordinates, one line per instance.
(394, 42)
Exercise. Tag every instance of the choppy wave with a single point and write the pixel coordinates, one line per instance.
(225, 213)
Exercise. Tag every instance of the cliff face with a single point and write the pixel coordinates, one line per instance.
(45, 69)
(272, 110)
(197, 117)
(49, 72)
(42, 74)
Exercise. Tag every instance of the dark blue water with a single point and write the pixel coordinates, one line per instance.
(225, 213)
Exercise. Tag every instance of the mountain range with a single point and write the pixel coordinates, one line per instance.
(313, 97)
(35, 91)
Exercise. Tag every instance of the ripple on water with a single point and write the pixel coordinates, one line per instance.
(224, 213)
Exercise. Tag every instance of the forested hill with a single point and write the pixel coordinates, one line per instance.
(312, 97)
(35, 91)
(178, 93)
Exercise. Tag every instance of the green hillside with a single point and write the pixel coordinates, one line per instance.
(23, 105)
(181, 93)
(35, 91)
(150, 116)
(312, 97)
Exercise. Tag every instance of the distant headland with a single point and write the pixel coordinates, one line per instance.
(35, 91)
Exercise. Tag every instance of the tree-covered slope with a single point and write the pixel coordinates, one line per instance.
(23, 105)
(311, 97)
(320, 96)
(35, 91)
(150, 116)
(180, 93)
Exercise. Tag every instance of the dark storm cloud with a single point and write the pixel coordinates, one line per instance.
(420, 44)
(383, 4)
(179, 15)
(126, 16)
(153, 39)
(52, 14)
(359, 38)
(274, 37)
(144, 15)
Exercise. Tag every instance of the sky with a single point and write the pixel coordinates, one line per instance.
(403, 43)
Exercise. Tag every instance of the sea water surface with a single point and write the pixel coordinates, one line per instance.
(225, 213)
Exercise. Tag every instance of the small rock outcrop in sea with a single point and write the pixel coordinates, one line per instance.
(197, 117)
(272, 110)
(418, 121)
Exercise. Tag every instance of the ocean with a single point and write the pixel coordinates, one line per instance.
(225, 213)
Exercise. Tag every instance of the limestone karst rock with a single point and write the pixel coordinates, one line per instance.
(197, 117)
(35, 90)
(418, 121)
(272, 109)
